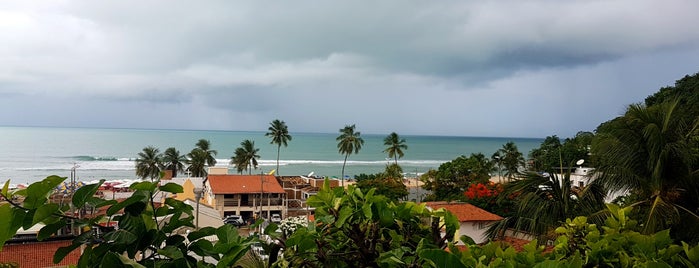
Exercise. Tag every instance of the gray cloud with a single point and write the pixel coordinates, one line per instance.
(494, 68)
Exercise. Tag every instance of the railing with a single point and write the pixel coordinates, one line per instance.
(250, 203)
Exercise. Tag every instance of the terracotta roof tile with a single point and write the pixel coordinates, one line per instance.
(244, 184)
(465, 211)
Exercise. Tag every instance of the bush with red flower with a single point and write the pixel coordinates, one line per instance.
(485, 195)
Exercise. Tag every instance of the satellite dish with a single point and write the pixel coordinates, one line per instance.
(580, 162)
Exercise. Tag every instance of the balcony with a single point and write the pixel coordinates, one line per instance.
(231, 202)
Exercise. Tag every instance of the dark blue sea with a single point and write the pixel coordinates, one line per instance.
(29, 154)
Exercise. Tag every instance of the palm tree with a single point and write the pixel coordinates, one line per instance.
(497, 159)
(348, 142)
(512, 159)
(394, 146)
(651, 152)
(205, 146)
(245, 156)
(173, 161)
(544, 202)
(196, 161)
(280, 136)
(148, 163)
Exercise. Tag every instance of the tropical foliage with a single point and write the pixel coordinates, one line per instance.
(651, 152)
(148, 163)
(615, 243)
(685, 92)
(487, 197)
(388, 183)
(173, 161)
(352, 229)
(394, 146)
(279, 133)
(552, 152)
(453, 178)
(361, 229)
(196, 162)
(205, 146)
(245, 157)
(148, 235)
(348, 142)
(544, 201)
(510, 159)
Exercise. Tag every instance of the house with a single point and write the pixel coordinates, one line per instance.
(473, 220)
(250, 196)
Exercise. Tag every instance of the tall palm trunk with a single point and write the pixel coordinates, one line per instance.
(343, 171)
(278, 148)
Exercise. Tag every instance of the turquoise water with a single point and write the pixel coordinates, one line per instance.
(29, 154)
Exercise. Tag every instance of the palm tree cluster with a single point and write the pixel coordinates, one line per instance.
(651, 152)
(151, 162)
(245, 157)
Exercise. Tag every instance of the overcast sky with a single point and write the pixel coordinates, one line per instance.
(465, 68)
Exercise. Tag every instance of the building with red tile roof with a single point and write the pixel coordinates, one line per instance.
(250, 196)
(473, 220)
(244, 184)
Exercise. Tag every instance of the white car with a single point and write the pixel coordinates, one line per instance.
(276, 218)
(235, 220)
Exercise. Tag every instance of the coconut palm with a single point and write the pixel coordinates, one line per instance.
(511, 159)
(196, 162)
(544, 201)
(148, 163)
(394, 146)
(173, 160)
(280, 136)
(245, 156)
(651, 152)
(205, 146)
(349, 141)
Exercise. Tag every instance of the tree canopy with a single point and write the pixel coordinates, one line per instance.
(451, 180)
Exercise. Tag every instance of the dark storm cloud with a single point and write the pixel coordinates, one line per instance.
(488, 68)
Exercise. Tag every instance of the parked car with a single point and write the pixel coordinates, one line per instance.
(235, 220)
(276, 218)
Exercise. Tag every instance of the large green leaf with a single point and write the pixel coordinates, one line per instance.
(50, 229)
(203, 232)
(131, 200)
(172, 188)
(5, 189)
(37, 193)
(44, 212)
(83, 194)
(121, 237)
(144, 185)
(171, 252)
(6, 230)
(345, 213)
(62, 252)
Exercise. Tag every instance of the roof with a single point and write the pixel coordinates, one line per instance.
(465, 212)
(244, 184)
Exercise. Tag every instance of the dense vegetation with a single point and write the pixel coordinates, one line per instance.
(352, 229)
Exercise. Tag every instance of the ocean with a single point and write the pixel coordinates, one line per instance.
(29, 154)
